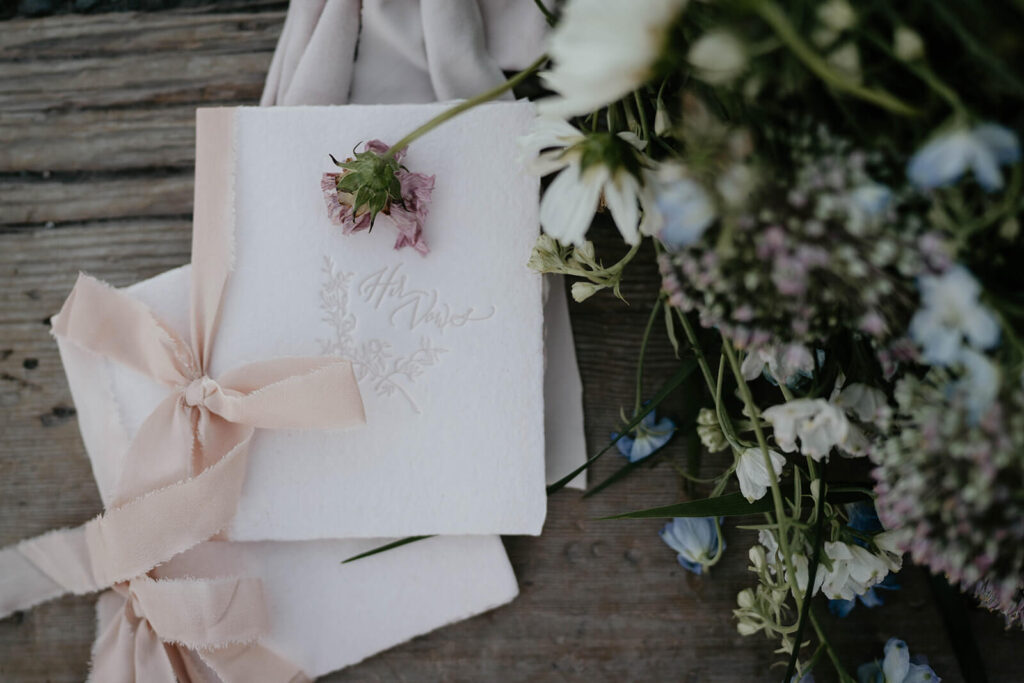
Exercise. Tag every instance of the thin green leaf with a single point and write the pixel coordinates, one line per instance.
(729, 505)
(387, 546)
(684, 371)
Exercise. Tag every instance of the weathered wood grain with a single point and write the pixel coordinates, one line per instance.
(104, 105)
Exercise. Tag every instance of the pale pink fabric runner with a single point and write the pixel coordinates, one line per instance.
(183, 471)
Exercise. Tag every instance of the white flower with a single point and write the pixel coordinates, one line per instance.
(982, 149)
(736, 184)
(572, 198)
(854, 570)
(837, 15)
(950, 312)
(818, 424)
(867, 404)
(846, 59)
(604, 50)
(718, 57)
(785, 363)
(907, 44)
(888, 543)
(753, 474)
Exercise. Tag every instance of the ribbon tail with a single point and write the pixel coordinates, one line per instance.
(255, 662)
(112, 324)
(44, 568)
(291, 393)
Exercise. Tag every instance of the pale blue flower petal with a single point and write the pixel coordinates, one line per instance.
(841, 608)
(941, 161)
(687, 212)
(694, 539)
(1000, 140)
(920, 673)
(896, 664)
(986, 168)
(625, 444)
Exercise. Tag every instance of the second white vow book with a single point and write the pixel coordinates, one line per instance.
(448, 347)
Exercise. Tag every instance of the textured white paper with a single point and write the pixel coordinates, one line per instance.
(325, 615)
(449, 346)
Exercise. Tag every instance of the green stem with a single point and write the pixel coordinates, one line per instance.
(702, 362)
(642, 114)
(844, 677)
(640, 360)
(451, 113)
(775, 17)
(780, 510)
(548, 16)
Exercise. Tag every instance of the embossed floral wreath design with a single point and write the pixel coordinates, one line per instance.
(372, 360)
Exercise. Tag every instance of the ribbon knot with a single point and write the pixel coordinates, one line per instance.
(196, 393)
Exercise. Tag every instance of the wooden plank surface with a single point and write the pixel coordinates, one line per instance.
(96, 135)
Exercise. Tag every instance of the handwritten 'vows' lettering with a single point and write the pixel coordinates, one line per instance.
(410, 308)
(389, 366)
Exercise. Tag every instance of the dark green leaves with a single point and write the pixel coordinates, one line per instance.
(729, 505)
(387, 546)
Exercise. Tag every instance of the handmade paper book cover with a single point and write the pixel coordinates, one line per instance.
(448, 346)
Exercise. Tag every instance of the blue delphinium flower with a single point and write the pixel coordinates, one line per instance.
(949, 313)
(982, 149)
(647, 437)
(897, 667)
(687, 212)
(694, 539)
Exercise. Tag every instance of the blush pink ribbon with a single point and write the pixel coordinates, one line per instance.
(183, 472)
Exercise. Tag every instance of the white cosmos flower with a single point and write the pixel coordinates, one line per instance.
(603, 50)
(572, 198)
(753, 474)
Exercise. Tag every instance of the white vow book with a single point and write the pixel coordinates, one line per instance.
(448, 347)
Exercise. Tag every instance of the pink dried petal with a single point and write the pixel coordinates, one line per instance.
(339, 212)
(379, 147)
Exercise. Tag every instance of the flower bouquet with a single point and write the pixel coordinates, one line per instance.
(833, 192)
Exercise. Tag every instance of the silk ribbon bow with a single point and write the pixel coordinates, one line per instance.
(182, 475)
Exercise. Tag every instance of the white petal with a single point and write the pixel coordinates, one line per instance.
(569, 203)
(620, 194)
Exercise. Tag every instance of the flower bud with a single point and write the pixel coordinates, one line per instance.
(581, 291)
(718, 57)
(907, 44)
